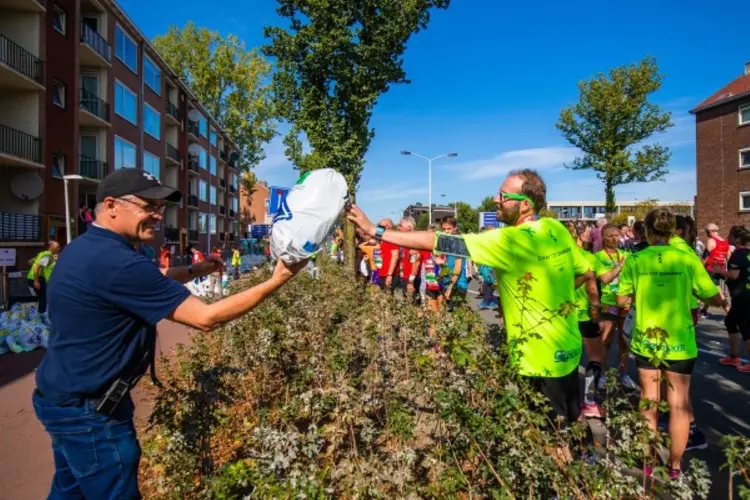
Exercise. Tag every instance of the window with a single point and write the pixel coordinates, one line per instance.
(745, 158)
(745, 201)
(744, 115)
(58, 165)
(212, 223)
(151, 121)
(151, 164)
(58, 94)
(202, 158)
(59, 19)
(203, 126)
(126, 103)
(212, 165)
(152, 75)
(202, 191)
(213, 138)
(234, 204)
(212, 195)
(202, 223)
(126, 49)
(124, 153)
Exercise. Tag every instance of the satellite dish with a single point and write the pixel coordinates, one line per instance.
(27, 186)
(194, 115)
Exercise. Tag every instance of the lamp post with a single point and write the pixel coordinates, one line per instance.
(429, 174)
(66, 178)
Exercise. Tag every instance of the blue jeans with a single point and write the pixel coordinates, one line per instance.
(96, 456)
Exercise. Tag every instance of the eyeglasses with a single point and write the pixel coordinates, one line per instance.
(149, 208)
(515, 197)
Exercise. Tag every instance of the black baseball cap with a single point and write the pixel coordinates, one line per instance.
(137, 182)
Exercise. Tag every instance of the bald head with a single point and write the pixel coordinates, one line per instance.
(53, 246)
(386, 223)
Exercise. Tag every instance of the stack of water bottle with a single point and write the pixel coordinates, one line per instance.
(23, 329)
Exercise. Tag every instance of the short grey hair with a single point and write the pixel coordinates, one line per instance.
(410, 221)
(99, 208)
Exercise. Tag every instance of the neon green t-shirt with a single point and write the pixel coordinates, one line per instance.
(582, 298)
(663, 278)
(536, 269)
(677, 242)
(604, 264)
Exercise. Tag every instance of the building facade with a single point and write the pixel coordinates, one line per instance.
(593, 210)
(438, 211)
(254, 207)
(722, 128)
(83, 92)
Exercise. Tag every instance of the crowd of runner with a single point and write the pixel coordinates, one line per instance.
(642, 288)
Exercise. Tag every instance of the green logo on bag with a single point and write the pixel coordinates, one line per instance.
(302, 178)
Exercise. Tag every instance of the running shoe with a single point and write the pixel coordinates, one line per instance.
(674, 473)
(731, 361)
(628, 383)
(744, 368)
(602, 385)
(592, 410)
(696, 440)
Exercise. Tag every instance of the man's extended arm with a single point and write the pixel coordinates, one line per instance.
(417, 240)
(201, 269)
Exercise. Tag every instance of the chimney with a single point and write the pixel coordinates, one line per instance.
(747, 68)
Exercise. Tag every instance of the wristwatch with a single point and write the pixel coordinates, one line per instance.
(379, 230)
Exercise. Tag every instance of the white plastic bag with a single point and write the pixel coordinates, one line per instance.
(308, 215)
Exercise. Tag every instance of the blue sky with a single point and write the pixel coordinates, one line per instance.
(489, 81)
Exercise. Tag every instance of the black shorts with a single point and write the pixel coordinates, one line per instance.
(738, 317)
(432, 294)
(589, 329)
(562, 393)
(683, 366)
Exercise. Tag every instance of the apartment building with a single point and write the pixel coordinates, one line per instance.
(254, 207)
(722, 129)
(593, 210)
(83, 92)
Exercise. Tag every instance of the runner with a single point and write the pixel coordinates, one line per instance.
(455, 285)
(41, 271)
(717, 255)
(738, 283)
(659, 281)
(389, 261)
(639, 237)
(588, 326)
(537, 270)
(411, 264)
(487, 275)
(609, 263)
(431, 281)
(236, 261)
(165, 257)
(373, 263)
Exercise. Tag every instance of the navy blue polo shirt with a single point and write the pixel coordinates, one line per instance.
(104, 301)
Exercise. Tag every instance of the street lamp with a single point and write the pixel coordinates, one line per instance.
(429, 174)
(455, 206)
(66, 178)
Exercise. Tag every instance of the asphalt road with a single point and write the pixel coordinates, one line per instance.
(721, 395)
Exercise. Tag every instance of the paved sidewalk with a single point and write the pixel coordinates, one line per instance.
(25, 450)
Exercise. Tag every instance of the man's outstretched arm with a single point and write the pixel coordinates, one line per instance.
(417, 240)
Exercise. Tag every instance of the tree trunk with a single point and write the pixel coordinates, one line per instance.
(610, 204)
(350, 252)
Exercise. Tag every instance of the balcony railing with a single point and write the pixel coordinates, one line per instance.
(172, 234)
(222, 183)
(20, 144)
(173, 153)
(232, 189)
(193, 128)
(94, 40)
(92, 168)
(97, 107)
(21, 60)
(172, 110)
(192, 200)
(222, 210)
(193, 234)
(231, 213)
(20, 227)
(223, 155)
(193, 164)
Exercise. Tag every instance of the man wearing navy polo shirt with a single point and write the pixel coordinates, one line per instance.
(104, 302)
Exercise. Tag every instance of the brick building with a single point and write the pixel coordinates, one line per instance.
(722, 125)
(254, 206)
(83, 92)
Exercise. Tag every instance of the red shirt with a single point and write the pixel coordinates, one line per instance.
(198, 257)
(386, 249)
(406, 269)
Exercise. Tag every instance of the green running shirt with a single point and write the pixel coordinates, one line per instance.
(677, 242)
(604, 264)
(663, 278)
(536, 265)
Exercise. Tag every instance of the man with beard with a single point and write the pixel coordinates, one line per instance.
(537, 272)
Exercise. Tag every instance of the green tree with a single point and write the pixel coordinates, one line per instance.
(610, 123)
(487, 204)
(230, 82)
(467, 217)
(334, 61)
(423, 222)
(546, 212)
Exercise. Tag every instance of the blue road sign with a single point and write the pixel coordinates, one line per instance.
(489, 219)
(277, 196)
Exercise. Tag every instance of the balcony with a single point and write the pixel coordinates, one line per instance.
(193, 130)
(173, 154)
(91, 168)
(94, 112)
(222, 184)
(223, 156)
(231, 213)
(95, 50)
(24, 5)
(19, 68)
(172, 234)
(193, 165)
(232, 189)
(172, 112)
(222, 210)
(193, 234)
(17, 227)
(192, 201)
(20, 149)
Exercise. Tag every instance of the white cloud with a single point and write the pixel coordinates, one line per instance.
(536, 158)
(393, 192)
